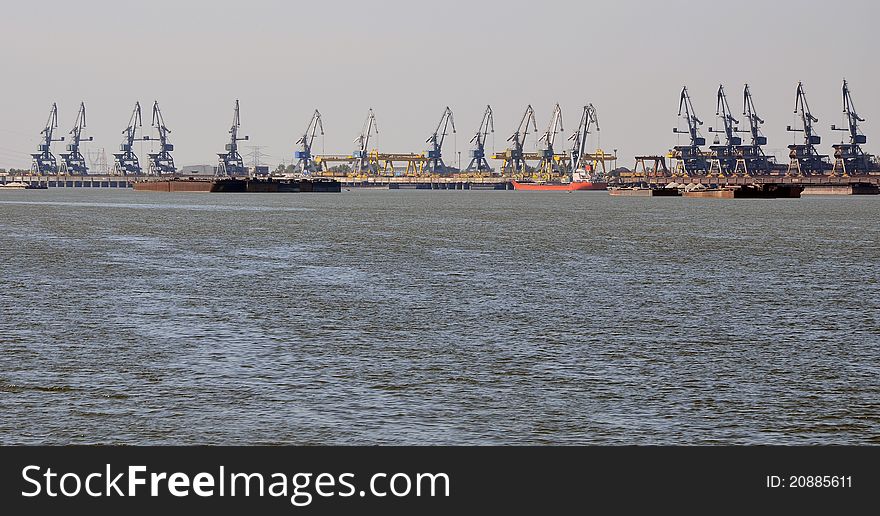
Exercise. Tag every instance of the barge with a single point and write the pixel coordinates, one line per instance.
(239, 185)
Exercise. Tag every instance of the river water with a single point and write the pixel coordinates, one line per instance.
(450, 317)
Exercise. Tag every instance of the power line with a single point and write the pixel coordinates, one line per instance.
(256, 155)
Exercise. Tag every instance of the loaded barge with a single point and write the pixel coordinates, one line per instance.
(755, 191)
(765, 191)
(239, 185)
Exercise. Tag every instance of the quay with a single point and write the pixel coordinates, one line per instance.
(70, 181)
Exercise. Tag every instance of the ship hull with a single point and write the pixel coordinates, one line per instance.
(567, 187)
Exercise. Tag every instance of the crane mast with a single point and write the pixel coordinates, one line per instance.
(849, 157)
(126, 161)
(579, 139)
(435, 152)
(44, 162)
(72, 161)
(690, 157)
(478, 153)
(305, 160)
(161, 162)
(231, 163)
(361, 154)
(805, 159)
(514, 157)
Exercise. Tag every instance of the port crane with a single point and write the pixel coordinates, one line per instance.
(751, 158)
(690, 157)
(849, 158)
(44, 162)
(514, 158)
(724, 156)
(361, 154)
(579, 153)
(805, 159)
(549, 164)
(231, 163)
(478, 153)
(161, 162)
(434, 154)
(305, 161)
(126, 162)
(72, 161)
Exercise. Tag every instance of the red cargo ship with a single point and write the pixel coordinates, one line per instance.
(580, 180)
(569, 186)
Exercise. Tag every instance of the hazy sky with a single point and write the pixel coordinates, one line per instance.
(409, 59)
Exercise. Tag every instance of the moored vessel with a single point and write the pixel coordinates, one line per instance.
(763, 191)
(626, 191)
(559, 185)
(19, 185)
(240, 185)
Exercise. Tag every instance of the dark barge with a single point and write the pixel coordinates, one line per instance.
(239, 185)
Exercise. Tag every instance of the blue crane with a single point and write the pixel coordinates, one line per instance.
(690, 157)
(579, 139)
(435, 152)
(751, 159)
(548, 163)
(514, 157)
(725, 155)
(305, 160)
(44, 162)
(161, 162)
(231, 163)
(849, 157)
(805, 159)
(72, 161)
(478, 153)
(126, 161)
(361, 154)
